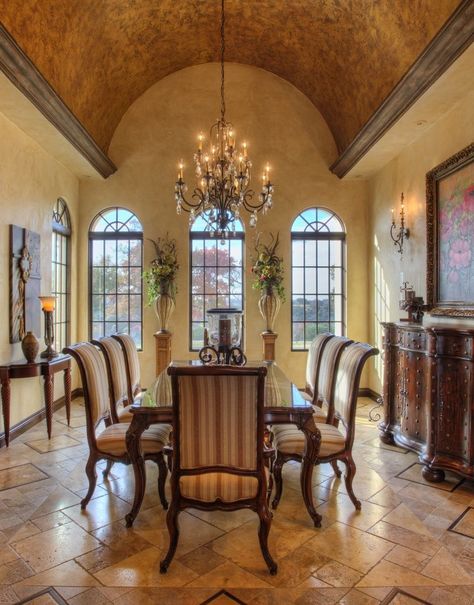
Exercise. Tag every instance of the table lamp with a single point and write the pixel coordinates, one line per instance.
(47, 305)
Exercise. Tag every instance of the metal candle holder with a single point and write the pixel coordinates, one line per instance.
(401, 233)
(47, 305)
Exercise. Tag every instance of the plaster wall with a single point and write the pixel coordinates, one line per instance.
(406, 173)
(281, 126)
(30, 183)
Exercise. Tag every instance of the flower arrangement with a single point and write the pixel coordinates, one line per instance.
(268, 267)
(160, 277)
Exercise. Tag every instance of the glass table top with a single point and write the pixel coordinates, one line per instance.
(280, 392)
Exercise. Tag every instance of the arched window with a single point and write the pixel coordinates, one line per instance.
(115, 274)
(216, 274)
(61, 273)
(317, 276)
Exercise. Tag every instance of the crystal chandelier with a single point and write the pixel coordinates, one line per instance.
(223, 176)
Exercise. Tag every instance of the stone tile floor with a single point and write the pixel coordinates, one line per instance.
(412, 542)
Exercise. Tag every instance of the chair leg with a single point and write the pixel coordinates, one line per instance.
(108, 468)
(349, 476)
(92, 476)
(263, 531)
(173, 529)
(277, 466)
(336, 469)
(162, 474)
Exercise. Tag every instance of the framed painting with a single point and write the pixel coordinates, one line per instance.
(450, 235)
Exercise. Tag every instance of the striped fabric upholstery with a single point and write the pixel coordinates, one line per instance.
(133, 362)
(326, 370)
(288, 439)
(118, 373)
(313, 360)
(112, 439)
(218, 421)
(210, 486)
(96, 380)
(346, 379)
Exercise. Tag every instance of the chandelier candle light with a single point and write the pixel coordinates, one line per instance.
(223, 175)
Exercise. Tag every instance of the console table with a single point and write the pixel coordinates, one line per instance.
(40, 367)
(428, 395)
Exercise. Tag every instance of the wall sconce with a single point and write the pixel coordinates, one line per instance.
(47, 305)
(401, 233)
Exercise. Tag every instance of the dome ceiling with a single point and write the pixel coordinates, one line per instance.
(345, 55)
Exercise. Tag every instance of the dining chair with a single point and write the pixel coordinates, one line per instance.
(336, 441)
(132, 364)
(110, 443)
(313, 364)
(218, 449)
(117, 377)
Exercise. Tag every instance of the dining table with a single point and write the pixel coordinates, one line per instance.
(284, 404)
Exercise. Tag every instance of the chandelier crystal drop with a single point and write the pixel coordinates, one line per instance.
(223, 173)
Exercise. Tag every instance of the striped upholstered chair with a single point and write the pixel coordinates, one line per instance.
(336, 441)
(132, 364)
(110, 444)
(218, 450)
(117, 375)
(313, 364)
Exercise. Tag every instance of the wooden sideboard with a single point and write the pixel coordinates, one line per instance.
(428, 395)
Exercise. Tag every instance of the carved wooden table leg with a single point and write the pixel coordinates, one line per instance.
(67, 393)
(48, 400)
(6, 407)
(137, 426)
(311, 453)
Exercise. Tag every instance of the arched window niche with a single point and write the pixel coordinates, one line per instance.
(318, 300)
(115, 274)
(216, 274)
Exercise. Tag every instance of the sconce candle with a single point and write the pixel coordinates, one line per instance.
(400, 234)
(48, 304)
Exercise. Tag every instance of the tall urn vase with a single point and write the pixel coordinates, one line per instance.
(164, 306)
(269, 306)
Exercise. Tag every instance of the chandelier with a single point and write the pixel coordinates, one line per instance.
(223, 174)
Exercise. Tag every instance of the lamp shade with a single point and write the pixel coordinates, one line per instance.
(48, 303)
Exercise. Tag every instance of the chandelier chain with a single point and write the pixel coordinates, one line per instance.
(222, 60)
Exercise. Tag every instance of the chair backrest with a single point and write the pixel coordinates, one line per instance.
(313, 363)
(132, 363)
(218, 420)
(346, 391)
(94, 384)
(116, 372)
(327, 370)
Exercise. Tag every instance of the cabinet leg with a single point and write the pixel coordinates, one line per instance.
(433, 475)
(67, 393)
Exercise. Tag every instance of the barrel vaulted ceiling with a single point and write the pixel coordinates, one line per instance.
(345, 55)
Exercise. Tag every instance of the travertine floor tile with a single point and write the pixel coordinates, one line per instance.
(55, 546)
(66, 574)
(405, 537)
(363, 553)
(444, 566)
(406, 557)
(390, 574)
(57, 442)
(20, 475)
(340, 508)
(404, 517)
(229, 575)
(99, 512)
(143, 569)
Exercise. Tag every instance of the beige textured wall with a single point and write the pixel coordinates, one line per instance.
(30, 182)
(282, 126)
(406, 173)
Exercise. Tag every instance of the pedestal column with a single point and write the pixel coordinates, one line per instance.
(163, 351)
(268, 341)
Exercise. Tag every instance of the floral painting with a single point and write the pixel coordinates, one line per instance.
(456, 231)
(450, 220)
